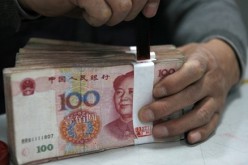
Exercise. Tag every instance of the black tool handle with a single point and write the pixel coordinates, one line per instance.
(143, 37)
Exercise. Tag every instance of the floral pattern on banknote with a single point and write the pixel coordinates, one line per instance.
(80, 127)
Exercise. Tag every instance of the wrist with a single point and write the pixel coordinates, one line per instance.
(227, 60)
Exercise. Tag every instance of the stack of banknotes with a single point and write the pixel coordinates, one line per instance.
(66, 99)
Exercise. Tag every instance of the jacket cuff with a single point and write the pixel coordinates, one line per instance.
(25, 15)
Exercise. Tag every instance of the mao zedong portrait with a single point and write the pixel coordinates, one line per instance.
(122, 127)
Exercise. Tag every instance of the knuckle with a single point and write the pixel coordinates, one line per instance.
(104, 15)
(204, 115)
(97, 19)
(162, 109)
(159, 92)
(197, 68)
(124, 6)
(174, 128)
(101, 19)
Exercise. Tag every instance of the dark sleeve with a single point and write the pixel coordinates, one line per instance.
(10, 20)
(201, 20)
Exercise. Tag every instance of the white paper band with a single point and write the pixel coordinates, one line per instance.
(143, 86)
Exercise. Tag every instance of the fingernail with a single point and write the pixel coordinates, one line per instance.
(147, 115)
(160, 92)
(195, 137)
(160, 131)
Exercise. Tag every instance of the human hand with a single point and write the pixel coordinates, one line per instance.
(209, 72)
(95, 12)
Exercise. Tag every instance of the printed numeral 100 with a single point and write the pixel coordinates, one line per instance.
(90, 99)
(44, 148)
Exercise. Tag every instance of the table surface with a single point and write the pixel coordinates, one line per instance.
(227, 146)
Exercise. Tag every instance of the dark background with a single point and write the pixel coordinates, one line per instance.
(243, 4)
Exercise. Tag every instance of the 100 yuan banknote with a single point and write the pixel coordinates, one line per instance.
(64, 112)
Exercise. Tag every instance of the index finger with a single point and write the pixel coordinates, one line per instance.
(191, 71)
(137, 6)
(120, 9)
(151, 8)
(96, 12)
